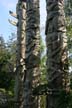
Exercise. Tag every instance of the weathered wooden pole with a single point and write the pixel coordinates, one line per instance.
(56, 42)
(32, 53)
(21, 35)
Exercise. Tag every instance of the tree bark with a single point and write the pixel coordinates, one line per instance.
(32, 53)
(56, 42)
(20, 72)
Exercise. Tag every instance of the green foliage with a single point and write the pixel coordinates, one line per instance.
(6, 79)
(43, 62)
(69, 35)
(43, 101)
(41, 88)
(64, 100)
(68, 7)
(12, 47)
(69, 26)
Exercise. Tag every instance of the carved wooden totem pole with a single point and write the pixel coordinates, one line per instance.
(21, 35)
(32, 53)
(56, 42)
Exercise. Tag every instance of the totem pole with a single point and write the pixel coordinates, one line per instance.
(32, 53)
(20, 71)
(56, 42)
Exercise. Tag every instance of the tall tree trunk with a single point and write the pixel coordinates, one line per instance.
(19, 89)
(32, 53)
(56, 42)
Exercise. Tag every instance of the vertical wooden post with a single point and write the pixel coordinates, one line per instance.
(56, 42)
(32, 53)
(21, 35)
